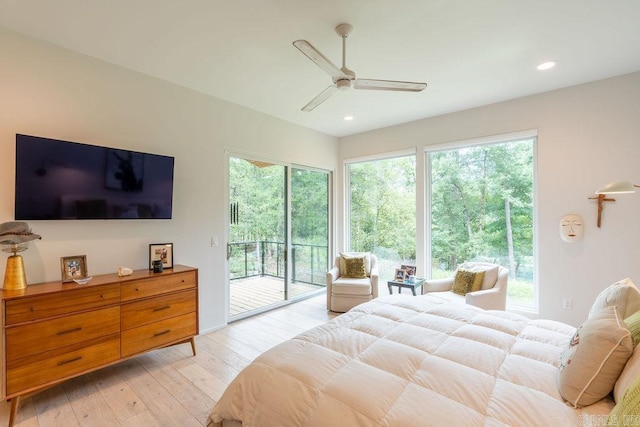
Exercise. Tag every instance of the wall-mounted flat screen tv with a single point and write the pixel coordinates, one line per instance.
(69, 180)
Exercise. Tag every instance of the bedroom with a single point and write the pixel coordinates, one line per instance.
(587, 136)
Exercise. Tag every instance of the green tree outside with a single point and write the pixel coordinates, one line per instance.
(482, 209)
(382, 214)
(257, 220)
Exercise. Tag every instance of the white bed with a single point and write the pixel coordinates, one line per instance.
(411, 361)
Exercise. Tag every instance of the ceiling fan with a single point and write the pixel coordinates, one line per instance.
(343, 78)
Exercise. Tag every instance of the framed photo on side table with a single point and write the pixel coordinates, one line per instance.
(161, 251)
(73, 267)
(400, 275)
(410, 269)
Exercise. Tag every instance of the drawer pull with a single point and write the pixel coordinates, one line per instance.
(157, 334)
(69, 331)
(64, 362)
(166, 307)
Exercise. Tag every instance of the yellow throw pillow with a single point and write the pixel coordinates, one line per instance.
(633, 324)
(490, 272)
(367, 260)
(467, 281)
(354, 267)
(627, 411)
(477, 281)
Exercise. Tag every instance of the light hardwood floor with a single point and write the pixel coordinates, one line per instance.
(167, 387)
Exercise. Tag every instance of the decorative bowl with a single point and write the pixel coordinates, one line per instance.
(83, 281)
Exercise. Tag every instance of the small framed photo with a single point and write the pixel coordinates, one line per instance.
(163, 252)
(400, 275)
(73, 267)
(410, 269)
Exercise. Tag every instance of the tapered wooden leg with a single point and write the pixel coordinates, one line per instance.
(15, 404)
(193, 345)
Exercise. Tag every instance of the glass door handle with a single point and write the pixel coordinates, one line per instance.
(228, 251)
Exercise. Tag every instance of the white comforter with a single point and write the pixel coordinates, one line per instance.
(410, 361)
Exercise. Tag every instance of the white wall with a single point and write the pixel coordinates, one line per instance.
(51, 92)
(588, 135)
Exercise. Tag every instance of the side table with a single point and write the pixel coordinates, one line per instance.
(416, 283)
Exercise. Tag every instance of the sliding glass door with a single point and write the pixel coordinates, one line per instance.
(278, 234)
(256, 250)
(309, 230)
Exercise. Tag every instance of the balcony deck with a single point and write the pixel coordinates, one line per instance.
(253, 293)
(256, 292)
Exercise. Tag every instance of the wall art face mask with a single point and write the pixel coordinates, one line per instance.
(571, 228)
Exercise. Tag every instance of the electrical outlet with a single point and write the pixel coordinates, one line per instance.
(567, 304)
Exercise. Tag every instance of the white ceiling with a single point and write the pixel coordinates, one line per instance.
(470, 53)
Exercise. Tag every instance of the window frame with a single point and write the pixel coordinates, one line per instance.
(475, 142)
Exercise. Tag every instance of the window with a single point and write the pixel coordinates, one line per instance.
(382, 211)
(481, 200)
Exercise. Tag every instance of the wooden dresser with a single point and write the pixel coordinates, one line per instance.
(55, 331)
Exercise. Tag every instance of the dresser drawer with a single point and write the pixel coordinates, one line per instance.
(30, 372)
(48, 305)
(42, 336)
(152, 310)
(158, 285)
(158, 334)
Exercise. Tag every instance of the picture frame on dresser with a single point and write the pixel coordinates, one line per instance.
(163, 252)
(73, 267)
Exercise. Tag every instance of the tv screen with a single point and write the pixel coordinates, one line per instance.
(68, 180)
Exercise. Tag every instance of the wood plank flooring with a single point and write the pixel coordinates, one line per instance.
(256, 292)
(167, 387)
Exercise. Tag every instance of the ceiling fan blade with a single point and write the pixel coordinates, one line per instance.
(319, 59)
(372, 84)
(320, 98)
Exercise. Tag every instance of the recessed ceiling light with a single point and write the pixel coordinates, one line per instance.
(546, 65)
(348, 118)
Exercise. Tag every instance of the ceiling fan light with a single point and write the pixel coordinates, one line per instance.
(348, 118)
(344, 78)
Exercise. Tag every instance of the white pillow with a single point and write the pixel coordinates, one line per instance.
(623, 294)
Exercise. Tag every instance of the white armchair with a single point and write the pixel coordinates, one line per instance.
(491, 296)
(344, 293)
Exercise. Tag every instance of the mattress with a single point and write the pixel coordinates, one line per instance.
(403, 361)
